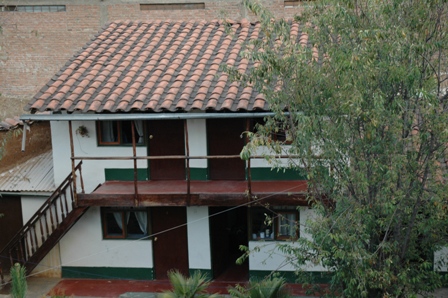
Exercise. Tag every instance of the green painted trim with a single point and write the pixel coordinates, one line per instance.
(207, 272)
(257, 174)
(108, 272)
(125, 174)
(264, 174)
(316, 277)
(198, 173)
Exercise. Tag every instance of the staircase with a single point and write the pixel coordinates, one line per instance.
(47, 226)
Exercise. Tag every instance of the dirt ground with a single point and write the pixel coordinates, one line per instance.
(38, 140)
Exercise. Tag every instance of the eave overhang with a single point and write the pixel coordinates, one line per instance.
(142, 116)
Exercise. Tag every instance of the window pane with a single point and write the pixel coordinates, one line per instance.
(108, 131)
(113, 221)
(126, 132)
(287, 225)
(261, 223)
(134, 227)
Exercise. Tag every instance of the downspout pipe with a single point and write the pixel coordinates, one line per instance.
(25, 128)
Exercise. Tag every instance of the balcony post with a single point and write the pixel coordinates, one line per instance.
(187, 149)
(72, 153)
(249, 174)
(134, 155)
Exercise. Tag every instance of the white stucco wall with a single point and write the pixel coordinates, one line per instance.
(92, 170)
(197, 142)
(268, 257)
(441, 260)
(199, 256)
(83, 246)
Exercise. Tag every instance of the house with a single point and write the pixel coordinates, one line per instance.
(149, 131)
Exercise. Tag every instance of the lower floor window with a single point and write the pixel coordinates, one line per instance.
(274, 223)
(124, 223)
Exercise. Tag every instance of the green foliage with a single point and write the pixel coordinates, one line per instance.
(18, 281)
(366, 99)
(183, 287)
(271, 287)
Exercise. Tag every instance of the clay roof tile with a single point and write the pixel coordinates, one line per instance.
(157, 65)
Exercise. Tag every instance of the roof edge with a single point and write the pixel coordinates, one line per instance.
(158, 116)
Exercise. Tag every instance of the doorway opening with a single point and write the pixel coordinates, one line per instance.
(10, 224)
(228, 231)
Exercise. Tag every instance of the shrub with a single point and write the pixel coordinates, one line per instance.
(188, 287)
(267, 288)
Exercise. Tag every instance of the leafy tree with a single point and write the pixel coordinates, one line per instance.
(363, 99)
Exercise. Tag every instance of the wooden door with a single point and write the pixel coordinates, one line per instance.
(224, 138)
(170, 241)
(166, 137)
(10, 224)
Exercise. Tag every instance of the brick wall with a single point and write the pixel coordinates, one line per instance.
(34, 46)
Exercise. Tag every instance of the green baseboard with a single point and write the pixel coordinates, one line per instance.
(125, 174)
(198, 174)
(257, 174)
(108, 273)
(264, 174)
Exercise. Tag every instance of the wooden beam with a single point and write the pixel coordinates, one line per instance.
(221, 199)
(134, 154)
(72, 155)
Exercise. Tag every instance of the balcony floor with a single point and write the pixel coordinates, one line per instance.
(210, 193)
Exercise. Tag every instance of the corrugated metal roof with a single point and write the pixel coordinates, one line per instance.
(34, 175)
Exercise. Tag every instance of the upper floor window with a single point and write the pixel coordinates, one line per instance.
(33, 8)
(119, 132)
(281, 133)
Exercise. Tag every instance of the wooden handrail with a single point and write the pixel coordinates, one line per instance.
(55, 209)
(176, 157)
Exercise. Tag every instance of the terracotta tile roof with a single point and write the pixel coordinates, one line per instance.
(156, 66)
